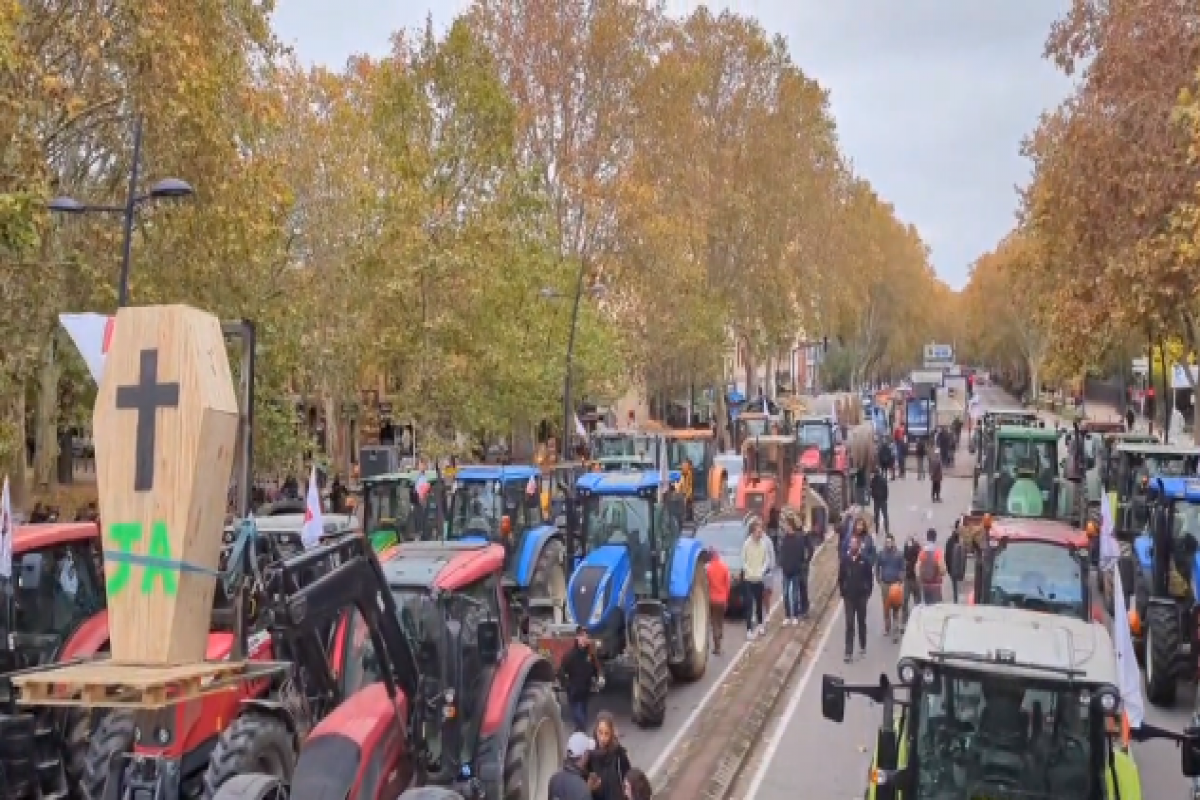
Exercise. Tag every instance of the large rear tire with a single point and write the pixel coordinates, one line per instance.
(535, 745)
(694, 626)
(835, 498)
(252, 786)
(652, 675)
(549, 580)
(255, 743)
(1162, 646)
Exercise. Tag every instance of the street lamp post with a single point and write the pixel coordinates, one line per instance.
(596, 290)
(166, 189)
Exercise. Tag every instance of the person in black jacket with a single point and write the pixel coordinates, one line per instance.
(879, 496)
(608, 763)
(855, 582)
(569, 783)
(956, 560)
(576, 673)
(794, 554)
(921, 453)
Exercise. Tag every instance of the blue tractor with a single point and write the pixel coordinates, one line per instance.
(502, 504)
(639, 586)
(1166, 604)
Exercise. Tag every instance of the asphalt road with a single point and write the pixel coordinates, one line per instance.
(831, 760)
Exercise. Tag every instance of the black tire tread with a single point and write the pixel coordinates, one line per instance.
(239, 746)
(693, 665)
(651, 670)
(1160, 689)
(536, 705)
(251, 786)
(112, 737)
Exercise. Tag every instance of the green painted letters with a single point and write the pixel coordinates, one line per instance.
(126, 534)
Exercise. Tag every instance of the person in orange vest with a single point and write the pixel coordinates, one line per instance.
(718, 595)
(931, 569)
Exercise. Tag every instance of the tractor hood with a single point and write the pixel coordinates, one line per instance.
(598, 584)
(810, 458)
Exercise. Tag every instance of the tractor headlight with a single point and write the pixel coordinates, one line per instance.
(601, 601)
(1109, 698)
(907, 671)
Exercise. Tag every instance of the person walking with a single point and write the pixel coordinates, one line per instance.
(955, 558)
(935, 480)
(1130, 419)
(718, 596)
(756, 560)
(608, 763)
(887, 457)
(902, 457)
(889, 571)
(921, 453)
(576, 673)
(854, 584)
(795, 554)
(570, 782)
(879, 497)
(931, 570)
(769, 577)
(912, 586)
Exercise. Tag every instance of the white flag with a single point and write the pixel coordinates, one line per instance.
(580, 431)
(1128, 676)
(1110, 549)
(6, 533)
(92, 334)
(314, 523)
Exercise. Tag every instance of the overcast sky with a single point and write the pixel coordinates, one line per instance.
(931, 97)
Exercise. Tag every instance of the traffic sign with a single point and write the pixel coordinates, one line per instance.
(1141, 366)
(939, 352)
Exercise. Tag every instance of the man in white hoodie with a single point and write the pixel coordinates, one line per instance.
(756, 566)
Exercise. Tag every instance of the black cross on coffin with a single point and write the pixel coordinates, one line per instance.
(146, 397)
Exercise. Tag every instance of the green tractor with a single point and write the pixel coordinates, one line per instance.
(402, 507)
(983, 437)
(1000, 702)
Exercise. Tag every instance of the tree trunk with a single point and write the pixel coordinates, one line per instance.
(45, 452)
(14, 466)
(1035, 385)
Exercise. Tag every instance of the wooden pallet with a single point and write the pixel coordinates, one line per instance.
(104, 684)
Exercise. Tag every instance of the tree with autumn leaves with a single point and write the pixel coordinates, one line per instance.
(1111, 210)
(431, 215)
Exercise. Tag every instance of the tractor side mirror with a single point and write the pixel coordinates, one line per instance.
(488, 633)
(833, 698)
(1189, 753)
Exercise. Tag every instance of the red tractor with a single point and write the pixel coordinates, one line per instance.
(769, 478)
(824, 461)
(470, 713)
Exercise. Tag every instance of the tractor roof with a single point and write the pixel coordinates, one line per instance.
(628, 484)
(441, 565)
(815, 419)
(28, 538)
(1015, 529)
(1024, 413)
(408, 476)
(1158, 449)
(1027, 434)
(494, 472)
(771, 438)
(1042, 646)
(1135, 438)
(1186, 489)
(704, 434)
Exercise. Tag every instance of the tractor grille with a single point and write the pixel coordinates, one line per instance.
(583, 592)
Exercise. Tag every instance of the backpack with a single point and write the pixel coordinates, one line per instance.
(958, 562)
(929, 569)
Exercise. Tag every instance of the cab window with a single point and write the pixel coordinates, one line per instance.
(57, 589)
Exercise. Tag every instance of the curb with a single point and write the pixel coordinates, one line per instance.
(737, 745)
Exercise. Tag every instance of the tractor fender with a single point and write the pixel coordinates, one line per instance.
(272, 708)
(519, 666)
(88, 639)
(684, 561)
(531, 549)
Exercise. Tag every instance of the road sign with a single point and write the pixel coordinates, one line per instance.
(939, 353)
(1141, 366)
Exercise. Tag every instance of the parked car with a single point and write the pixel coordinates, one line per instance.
(726, 532)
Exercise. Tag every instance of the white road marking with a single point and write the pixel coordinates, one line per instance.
(661, 762)
(793, 705)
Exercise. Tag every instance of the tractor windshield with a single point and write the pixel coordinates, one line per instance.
(623, 446)
(388, 507)
(680, 450)
(56, 589)
(1039, 576)
(814, 434)
(982, 736)
(1027, 480)
(625, 520)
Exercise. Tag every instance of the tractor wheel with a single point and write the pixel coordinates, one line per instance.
(111, 739)
(256, 743)
(535, 745)
(78, 726)
(652, 674)
(550, 577)
(253, 786)
(1162, 646)
(694, 624)
(835, 497)
(1141, 602)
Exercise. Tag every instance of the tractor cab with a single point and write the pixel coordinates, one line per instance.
(1036, 566)
(691, 454)
(1166, 607)
(58, 586)
(557, 488)
(1000, 702)
(824, 462)
(503, 505)
(769, 479)
(1128, 471)
(614, 450)
(1025, 476)
(402, 507)
(983, 435)
(750, 424)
